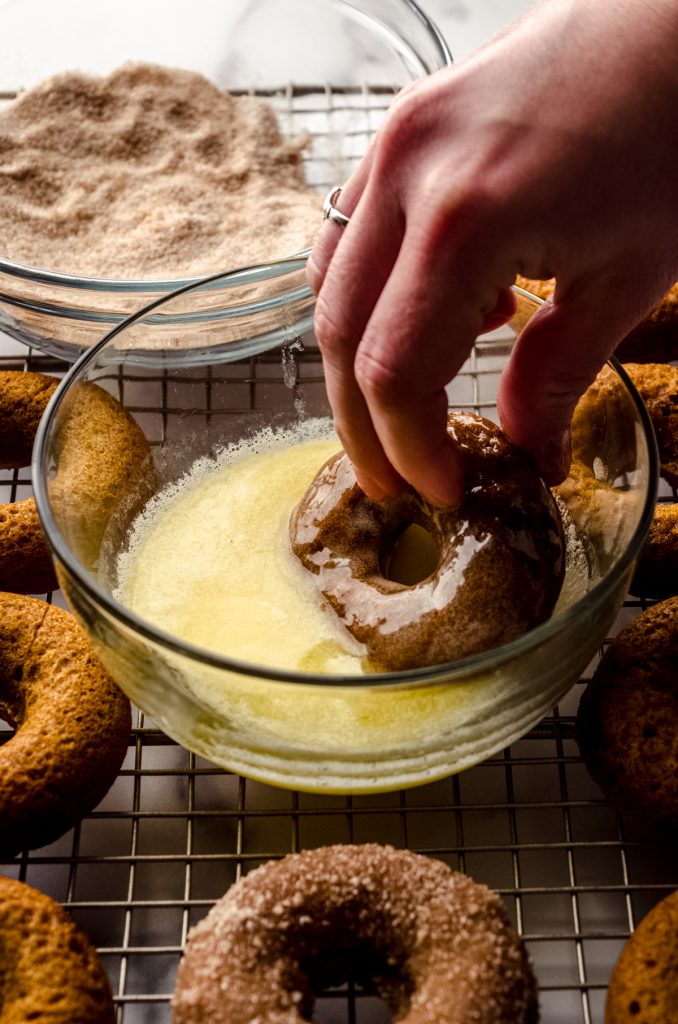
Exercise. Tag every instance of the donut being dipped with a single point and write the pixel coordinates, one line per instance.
(501, 554)
(49, 971)
(435, 945)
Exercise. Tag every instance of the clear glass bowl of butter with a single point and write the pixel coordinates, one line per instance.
(165, 490)
(328, 70)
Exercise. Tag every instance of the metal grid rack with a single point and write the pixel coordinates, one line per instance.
(174, 832)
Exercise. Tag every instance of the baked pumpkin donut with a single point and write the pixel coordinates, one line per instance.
(501, 554)
(49, 970)
(654, 339)
(23, 400)
(643, 988)
(436, 946)
(657, 385)
(656, 572)
(627, 723)
(72, 724)
(25, 563)
(105, 471)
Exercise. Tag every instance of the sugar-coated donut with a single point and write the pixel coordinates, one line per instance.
(643, 988)
(72, 724)
(49, 970)
(501, 554)
(654, 339)
(627, 723)
(436, 946)
(25, 563)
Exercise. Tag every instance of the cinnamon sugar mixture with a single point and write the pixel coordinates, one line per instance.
(151, 172)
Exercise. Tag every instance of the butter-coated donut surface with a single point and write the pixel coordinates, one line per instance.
(501, 554)
(435, 945)
(49, 971)
(72, 724)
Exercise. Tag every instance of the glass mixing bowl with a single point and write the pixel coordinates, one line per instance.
(329, 68)
(120, 429)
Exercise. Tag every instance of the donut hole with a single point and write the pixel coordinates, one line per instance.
(345, 959)
(412, 556)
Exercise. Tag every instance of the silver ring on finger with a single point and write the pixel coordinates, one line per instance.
(330, 212)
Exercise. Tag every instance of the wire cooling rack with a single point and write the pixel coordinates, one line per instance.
(174, 832)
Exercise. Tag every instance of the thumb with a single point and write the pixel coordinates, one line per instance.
(554, 360)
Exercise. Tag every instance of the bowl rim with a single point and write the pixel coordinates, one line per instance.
(447, 672)
(81, 282)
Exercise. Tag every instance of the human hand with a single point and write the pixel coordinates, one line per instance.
(552, 151)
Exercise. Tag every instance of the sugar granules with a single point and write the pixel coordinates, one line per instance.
(150, 172)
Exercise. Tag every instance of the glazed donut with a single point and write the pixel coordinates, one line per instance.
(25, 563)
(436, 946)
(72, 724)
(627, 720)
(49, 970)
(654, 339)
(644, 984)
(501, 555)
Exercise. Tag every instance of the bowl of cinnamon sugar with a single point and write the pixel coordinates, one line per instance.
(135, 163)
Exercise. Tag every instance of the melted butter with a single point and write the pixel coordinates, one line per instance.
(209, 561)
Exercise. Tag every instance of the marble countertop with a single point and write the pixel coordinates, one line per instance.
(275, 38)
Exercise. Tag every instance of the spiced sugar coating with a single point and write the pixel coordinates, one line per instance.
(643, 988)
(72, 724)
(49, 970)
(654, 339)
(435, 945)
(656, 573)
(627, 723)
(501, 555)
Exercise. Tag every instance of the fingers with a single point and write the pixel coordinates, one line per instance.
(556, 358)
(331, 233)
(505, 307)
(420, 332)
(361, 265)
